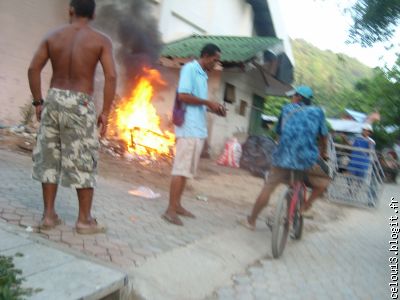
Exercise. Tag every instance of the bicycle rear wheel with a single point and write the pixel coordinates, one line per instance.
(298, 218)
(280, 225)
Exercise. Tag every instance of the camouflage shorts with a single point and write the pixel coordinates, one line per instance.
(67, 143)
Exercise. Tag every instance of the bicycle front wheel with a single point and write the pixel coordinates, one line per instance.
(280, 226)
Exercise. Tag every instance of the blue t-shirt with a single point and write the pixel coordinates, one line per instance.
(359, 160)
(193, 80)
(299, 127)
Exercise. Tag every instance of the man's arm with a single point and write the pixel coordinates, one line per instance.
(185, 88)
(110, 83)
(193, 100)
(323, 138)
(323, 146)
(38, 62)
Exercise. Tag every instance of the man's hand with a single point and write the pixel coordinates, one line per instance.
(217, 108)
(102, 121)
(38, 111)
(325, 156)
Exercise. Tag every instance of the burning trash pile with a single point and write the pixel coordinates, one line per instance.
(134, 126)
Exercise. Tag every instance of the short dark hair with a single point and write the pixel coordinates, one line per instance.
(210, 50)
(83, 8)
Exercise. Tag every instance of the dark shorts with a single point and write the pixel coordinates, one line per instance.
(280, 175)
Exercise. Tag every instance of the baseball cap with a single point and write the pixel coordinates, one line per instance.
(368, 127)
(302, 90)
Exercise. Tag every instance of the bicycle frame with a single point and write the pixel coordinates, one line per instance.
(296, 189)
(296, 185)
(287, 214)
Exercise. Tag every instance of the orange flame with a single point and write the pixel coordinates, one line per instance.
(138, 123)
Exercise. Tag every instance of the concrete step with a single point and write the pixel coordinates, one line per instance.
(55, 273)
(195, 271)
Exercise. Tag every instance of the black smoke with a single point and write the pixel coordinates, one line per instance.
(131, 24)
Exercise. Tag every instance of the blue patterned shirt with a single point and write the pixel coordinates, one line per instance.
(299, 127)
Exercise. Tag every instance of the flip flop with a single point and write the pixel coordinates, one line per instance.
(306, 211)
(172, 220)
(92, 228)
(186, 213)
(245, 223)
(43, 226)
(307, 214)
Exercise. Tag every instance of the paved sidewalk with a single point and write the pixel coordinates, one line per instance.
(55, 274)
(163, 261)
(138, 241)
(348, 260)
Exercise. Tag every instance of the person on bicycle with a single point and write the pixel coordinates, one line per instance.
(299, 127)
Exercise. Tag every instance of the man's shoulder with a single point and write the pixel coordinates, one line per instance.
(316, 110)
(101, 35)
(190, 65)
(56, 31)
(290, 106)
(94, 33)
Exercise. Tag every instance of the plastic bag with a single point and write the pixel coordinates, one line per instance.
(231, 155)
(145, 192)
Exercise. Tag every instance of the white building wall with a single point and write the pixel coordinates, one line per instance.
(279, 26)
(222, 17)
(246, 86)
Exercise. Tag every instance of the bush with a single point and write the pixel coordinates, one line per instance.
(10, 282)
(382, 138)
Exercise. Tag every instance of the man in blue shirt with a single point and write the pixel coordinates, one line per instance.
(193, 92)
(299, 127)
(360, 160)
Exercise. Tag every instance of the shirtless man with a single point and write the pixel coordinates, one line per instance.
(67, 142)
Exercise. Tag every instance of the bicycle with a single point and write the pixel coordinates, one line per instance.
(287, 214)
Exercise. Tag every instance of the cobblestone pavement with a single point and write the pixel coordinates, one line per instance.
(136, 233)
(135, 229)
(348, 260)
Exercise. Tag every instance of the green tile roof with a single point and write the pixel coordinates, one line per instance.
(234, 49)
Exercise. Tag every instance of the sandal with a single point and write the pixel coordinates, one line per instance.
(93, 228)
(245, 223)
(173, 220)
(185, 213)
(43, 226)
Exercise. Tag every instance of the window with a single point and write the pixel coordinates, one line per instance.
(242, 108)
(229, 95)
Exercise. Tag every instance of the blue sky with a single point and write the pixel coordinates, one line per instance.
(323, 24)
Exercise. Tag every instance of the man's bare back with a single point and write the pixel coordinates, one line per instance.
(74, 51)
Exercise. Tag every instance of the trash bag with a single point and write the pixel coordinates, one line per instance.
(231, 155)
(145, 192)
(257, 155)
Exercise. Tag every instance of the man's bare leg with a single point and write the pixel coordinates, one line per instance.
(316, 193)
(85, 223)
(85, 198)
(175, 193)
(261, 201)
(180, 210)
(50, 218)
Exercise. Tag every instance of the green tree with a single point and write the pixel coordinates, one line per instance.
(273, 105)
(381, 93)
(374, 21)
(327, 73)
